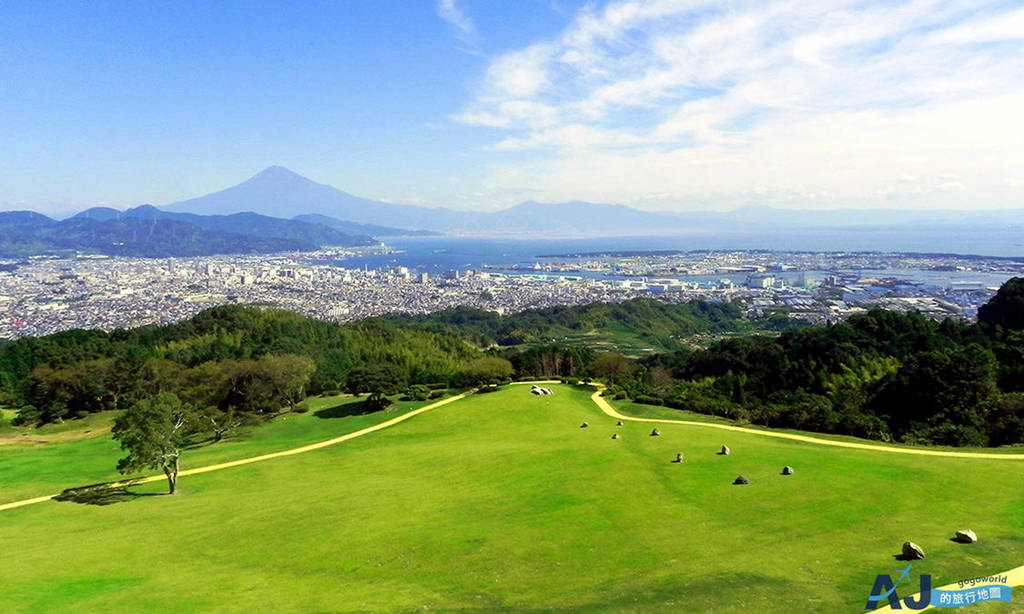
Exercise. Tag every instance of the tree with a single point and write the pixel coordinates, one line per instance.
(610, 367)
(245, 387)
(85, 386)
(377, 379)
(944, 397)
(160, 375)
(1006, 308)
(1006, 422)
(287, 375)
(6, 389)
(489, 370)
(661, 380)
(221, 421)
(153, 432)
(203, 385)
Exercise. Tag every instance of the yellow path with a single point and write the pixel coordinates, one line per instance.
(611, 411)
(264, 457)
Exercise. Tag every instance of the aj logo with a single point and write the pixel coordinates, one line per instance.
(884, 589)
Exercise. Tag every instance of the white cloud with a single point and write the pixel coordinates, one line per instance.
(449, 11)
(1001, 27)
(520, 74)
(833, 102)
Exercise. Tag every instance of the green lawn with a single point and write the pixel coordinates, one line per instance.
(34, 469)
(501, 501)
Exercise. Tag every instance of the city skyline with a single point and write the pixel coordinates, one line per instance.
(661, 105)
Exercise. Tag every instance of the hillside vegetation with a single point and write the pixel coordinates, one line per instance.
(881, 375)
(656, 323)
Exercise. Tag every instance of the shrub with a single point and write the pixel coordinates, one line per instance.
(27, 416)
(648, 400)
(300, 408)
(676, 403)
(417, 393)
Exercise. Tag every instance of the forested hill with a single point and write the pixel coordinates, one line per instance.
(655, 323)
(881, 375)
(80, 371)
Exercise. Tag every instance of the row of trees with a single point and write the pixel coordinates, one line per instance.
(227, 393)
(234, 358)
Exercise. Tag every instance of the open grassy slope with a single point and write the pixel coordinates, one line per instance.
(501, 501)
(35, 462)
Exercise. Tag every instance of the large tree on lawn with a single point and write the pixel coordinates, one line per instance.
(153, 432)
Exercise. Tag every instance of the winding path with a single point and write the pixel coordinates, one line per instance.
(611, 411)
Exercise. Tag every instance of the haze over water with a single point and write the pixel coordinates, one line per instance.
(461, 253)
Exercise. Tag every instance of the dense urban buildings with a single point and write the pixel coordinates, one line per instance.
(43, 295)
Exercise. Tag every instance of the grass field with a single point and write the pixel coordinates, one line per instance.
(35, 462)
(501, 501)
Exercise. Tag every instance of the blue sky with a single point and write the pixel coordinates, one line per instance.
(661, 104)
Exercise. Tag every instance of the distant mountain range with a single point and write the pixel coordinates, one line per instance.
(250, 218)
(148, 232)
(278, 191)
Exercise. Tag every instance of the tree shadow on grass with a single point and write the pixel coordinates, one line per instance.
(344, 410)
(104, 493)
